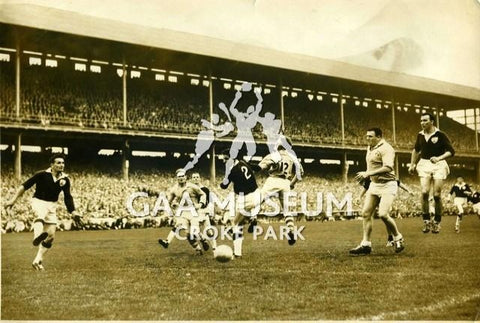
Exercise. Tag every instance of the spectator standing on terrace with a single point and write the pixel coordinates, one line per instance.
(381, 192)
(49, 183)
(432, 148)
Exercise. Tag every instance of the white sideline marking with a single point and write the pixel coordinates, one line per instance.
(430, 308)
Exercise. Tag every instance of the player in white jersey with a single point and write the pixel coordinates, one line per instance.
(180, 192)
(203, 214)
(380, 159)
(281, 167)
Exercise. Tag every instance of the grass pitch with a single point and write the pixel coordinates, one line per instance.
(126, 275)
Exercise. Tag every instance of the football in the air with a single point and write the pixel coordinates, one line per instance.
(223, 253)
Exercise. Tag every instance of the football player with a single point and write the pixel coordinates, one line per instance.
(184, 221)
(48, 185)
(248, 199)
(203, 218)
(460, 193)
(474, 198)
(282, 177)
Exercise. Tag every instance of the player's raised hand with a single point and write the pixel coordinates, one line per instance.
(246, 87)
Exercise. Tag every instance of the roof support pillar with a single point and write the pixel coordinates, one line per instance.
(124, 93)
(476, 118)
(282, 107)
(212, 148)
(342, 118)
(18, 157)
(394, 128)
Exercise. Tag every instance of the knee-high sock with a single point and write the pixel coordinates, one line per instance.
(237, 240)
(459, 219)
(289, 222)
(425, 207)
(438, 209)
(41, 251)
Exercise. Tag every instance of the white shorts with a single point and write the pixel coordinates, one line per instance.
(381, 194)
(440, 170)
(184, 219)
(275, 185)
(203, 215)
(476, 207)
(381, 189)
(459, 202)
(45, 211)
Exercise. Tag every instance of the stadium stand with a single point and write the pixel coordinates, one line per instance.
(64, 96)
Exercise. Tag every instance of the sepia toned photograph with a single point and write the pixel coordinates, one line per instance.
(240, 160)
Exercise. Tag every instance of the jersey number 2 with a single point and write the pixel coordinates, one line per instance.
(245, 172)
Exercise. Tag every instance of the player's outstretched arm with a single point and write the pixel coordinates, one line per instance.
(413, 161)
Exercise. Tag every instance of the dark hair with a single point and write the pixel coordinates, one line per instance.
(429, 115)
(378, 132)
(55, 156)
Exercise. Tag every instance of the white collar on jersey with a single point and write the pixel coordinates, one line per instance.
(428, 136)
(422, 132)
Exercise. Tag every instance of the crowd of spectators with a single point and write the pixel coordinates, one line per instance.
(61, 96)
(102, 198)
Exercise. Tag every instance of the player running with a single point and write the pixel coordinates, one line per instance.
(282, 179)
(366, 186)
(380, 159)
(431, 150)
(203, 218)
(49, 183)
(475, 200)
(460, 193)
(248, 199)
(180, 193)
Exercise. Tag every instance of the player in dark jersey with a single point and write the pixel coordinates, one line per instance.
(248, 199)
(432, 148)
(475, 200)
(460, 193)
(49, 183)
